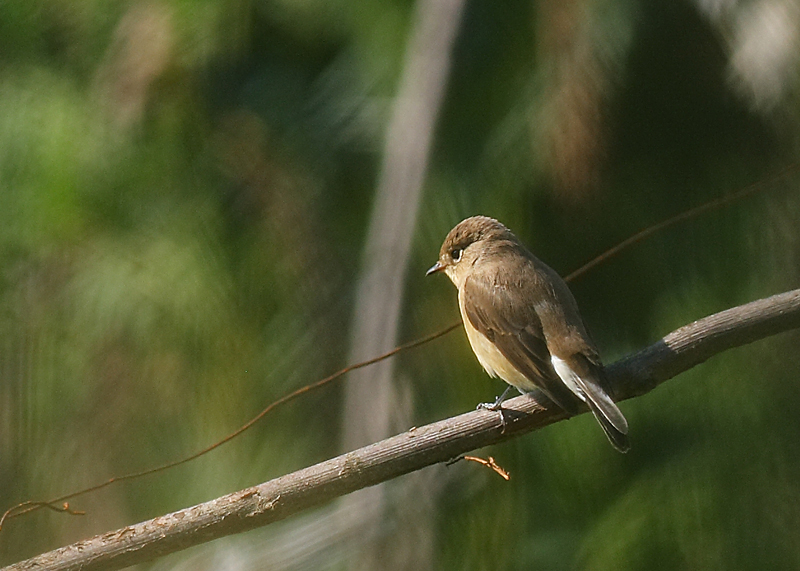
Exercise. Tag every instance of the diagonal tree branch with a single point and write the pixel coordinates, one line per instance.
(695, 343)
(417, 448)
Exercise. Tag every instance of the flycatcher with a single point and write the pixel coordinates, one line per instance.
(523, 323)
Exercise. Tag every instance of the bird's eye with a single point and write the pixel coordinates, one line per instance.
(456, 254)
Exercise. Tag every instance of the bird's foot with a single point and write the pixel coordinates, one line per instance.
(497, 405)
(498, 402)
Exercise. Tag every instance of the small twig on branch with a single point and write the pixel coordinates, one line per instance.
(415, 449)
(488, 462)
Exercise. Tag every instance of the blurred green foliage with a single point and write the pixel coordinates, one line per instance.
(184, 192)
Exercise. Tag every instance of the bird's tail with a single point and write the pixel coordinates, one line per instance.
(617, 429)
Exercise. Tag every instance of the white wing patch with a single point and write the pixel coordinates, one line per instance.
(570, 378)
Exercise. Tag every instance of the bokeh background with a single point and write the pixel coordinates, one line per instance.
(205, 204)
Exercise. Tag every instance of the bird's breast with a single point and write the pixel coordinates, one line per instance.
(490, 357)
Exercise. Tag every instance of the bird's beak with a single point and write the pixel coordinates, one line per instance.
(437, 267)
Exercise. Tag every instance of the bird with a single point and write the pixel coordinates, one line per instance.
(523, 323)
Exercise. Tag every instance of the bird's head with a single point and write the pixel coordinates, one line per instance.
(464, 244)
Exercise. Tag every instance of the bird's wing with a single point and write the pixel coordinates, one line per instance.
(516, 331)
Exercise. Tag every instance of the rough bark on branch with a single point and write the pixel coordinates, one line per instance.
(419, 447)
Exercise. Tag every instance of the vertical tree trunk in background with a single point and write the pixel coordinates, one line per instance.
(371, 397)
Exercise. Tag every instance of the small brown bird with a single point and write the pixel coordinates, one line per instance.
(523, 323)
